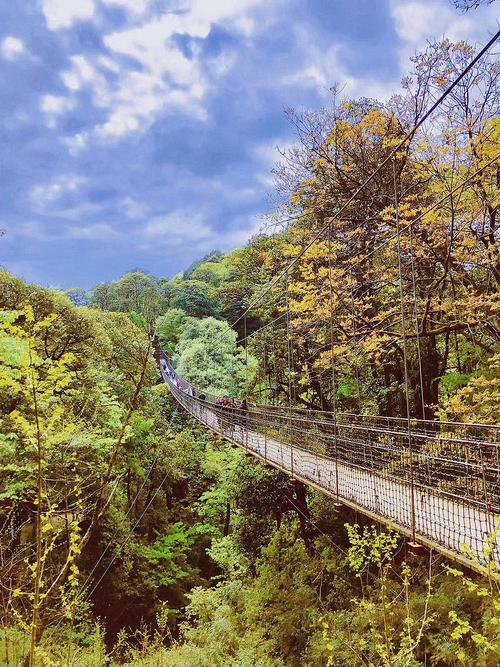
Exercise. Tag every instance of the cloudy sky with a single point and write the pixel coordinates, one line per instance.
(142, 133)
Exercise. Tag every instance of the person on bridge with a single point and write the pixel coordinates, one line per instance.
(218, 410)
(243, 412)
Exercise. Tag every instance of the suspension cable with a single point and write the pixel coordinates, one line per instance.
(108, 544)
(417, 324)
(290, 364)
(408, 136)
(333, 400)
(262, 328)
(410, 224)
(129, 535)
(405, 352)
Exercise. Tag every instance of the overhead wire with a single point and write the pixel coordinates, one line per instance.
(129, 535)
(131, 506)
(152, 467)
(410, 224)
(318, 235)
(408, 136)
(405, 352)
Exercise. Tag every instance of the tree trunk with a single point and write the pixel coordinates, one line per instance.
(227, 520)
(431, 370)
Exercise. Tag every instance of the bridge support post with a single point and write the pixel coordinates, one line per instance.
(417, 549)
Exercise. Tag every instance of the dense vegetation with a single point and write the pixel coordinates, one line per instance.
(129, 535)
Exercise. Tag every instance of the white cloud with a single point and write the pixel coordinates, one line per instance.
(109, 64)
(311, 76)
(39, 231)
(266, 179)
(419, 21)
(34, 230)
(76, 142)
(269, 152)
(186, 228)
(43, 195)
(96, 232)
(267, 155)
(79, 211)
(12, 48)
(179, 227)
(238, 234)
(166, 78)
(82, 74)
(323, 68)
(64, 13)
(53, 106)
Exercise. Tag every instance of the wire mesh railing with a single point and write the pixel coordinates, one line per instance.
(437, 481)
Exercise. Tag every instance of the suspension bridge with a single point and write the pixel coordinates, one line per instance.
(437, 483)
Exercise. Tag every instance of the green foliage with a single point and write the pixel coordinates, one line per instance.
(210, 272)
(370, 546)
(193, 297)
(139, 321)
(169, 328)
(135, 291)
(477, 398)
(212, 258)
(204, 561)
(168, 555)
(207, 356)
(453, 380)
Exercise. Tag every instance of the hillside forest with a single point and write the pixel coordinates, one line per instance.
(129, 535)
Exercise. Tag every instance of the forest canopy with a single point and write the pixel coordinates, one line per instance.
(131, 535)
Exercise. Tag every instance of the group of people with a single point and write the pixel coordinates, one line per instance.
(224, 405)
(229, 412)
(189, 390)
(228, 402)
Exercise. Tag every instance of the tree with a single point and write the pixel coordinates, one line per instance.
(207, 356)
(466, 5)
(104, 296)
(134, 291)
(344, 293)
(194, 299)
(60, 422)
(212, 257)
(169, 327)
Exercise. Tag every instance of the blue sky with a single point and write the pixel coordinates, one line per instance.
(142, 133)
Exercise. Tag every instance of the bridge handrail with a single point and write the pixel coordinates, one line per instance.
(415, 423)
(446, 461)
